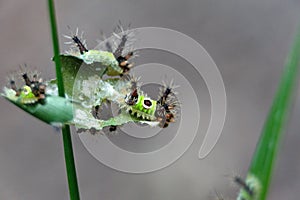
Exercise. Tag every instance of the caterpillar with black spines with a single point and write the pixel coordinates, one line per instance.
(115, 61)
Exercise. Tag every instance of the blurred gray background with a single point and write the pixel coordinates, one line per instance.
(248, 40)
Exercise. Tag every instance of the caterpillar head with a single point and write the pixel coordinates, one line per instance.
(33, 90)
(141, 106)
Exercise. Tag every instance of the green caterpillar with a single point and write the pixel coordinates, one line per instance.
(250, 188)
(122, 91)
(116, 63)
(131, 101)
(145, 108)
(32, 98)
(32, 92)
(161, 110)
(87, 89)
(105, 58)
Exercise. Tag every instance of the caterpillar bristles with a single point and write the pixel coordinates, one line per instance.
(242, 184)
(123, 41)
(32, 88)
(14, 87)
(135, 81)
(77, 41)
(108, 45)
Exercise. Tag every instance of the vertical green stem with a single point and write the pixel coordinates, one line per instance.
(67, 140)
(59, 77)
(70, 165)
(264, 157)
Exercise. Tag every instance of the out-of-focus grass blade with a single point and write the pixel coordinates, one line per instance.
(263, 160)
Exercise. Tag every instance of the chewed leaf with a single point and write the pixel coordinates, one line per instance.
(71, 66)
(84, 119)
(94, 91)
(103, 58)
(54, 109)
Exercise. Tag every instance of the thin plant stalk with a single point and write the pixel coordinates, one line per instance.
(67, 140)
(263, 160)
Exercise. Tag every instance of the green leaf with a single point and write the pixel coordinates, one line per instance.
(263, 161)
(93, 91)
(53, 110)
(74, 68)
(84, 120)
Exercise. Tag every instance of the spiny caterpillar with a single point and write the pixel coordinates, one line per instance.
(32, 92)
(116, 63)
(134, 104)
(88, 89)
(162, 110)
(124, 90)
(249, 189)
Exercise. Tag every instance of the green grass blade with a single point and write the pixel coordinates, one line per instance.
(263, 161)
(67, 140)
